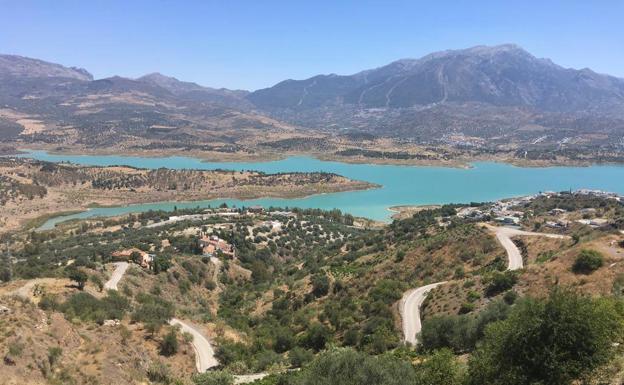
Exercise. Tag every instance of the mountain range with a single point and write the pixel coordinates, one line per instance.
(502, 76)
(500, 95)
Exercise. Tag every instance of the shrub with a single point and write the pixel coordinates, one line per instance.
(558, 340)
(466, 307)
(284, 340)
(159, 372)
(169, 345)
(447, 332)
(88, 308)
(510, 297)
(472, 296)
(15, 349)
(97, 282)
(499, 282)
(54, 353)
(587, 262)
(220, 377)
(299, 357)
(316, 337)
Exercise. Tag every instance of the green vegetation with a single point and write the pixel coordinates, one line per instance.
(153, 311)
(461, 332)
(349, 367)
(587, 262)
(169, 345)
(79, 276)
(86, 307)
(553, 341)
(214, 378)
(498, 282)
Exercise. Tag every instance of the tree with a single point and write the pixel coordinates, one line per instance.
(587, 262)
(136, 257)
(79, 276)
(553, 341)
(440, 368)
(160, 264)
(316, 337)
(320, 285)
(499, 282)
(169, 344)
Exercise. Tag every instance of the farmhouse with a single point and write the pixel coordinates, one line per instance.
(135, 255)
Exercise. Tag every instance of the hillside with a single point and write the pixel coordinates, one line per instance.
(300, 283)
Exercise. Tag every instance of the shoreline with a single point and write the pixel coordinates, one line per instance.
(405, 211)
(38, 222)
(460, 162)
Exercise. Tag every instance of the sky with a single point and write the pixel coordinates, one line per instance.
(257, 43)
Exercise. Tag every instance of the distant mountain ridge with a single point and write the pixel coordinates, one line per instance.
(44, 102)
(500, 96)
(193, 91)
(19, 66)
(503, 75)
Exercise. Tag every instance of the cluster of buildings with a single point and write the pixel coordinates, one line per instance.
(210, 244)
(503, 212)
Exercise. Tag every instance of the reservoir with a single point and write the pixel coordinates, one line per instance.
(401, 185)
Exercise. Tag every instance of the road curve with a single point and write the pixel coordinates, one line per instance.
(504, 234)
(204, 353)
(410, 311)
(120, 270)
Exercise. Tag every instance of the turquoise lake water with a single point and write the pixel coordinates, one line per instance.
(401, 185)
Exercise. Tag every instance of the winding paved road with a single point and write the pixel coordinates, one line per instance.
(204, 353)
(410, 311)
(413, 299)
(504, 234)
(120, 270)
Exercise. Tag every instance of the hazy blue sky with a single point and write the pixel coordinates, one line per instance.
(254, 44)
